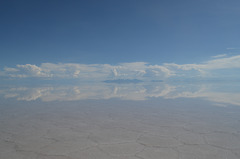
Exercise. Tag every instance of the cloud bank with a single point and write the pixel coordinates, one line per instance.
(134, 70)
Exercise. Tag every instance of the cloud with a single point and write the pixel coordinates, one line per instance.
(232, 48)
(223, 63)
(205, 69)
(88, 72)
(27, 70)
(219, 56)
(134, 70)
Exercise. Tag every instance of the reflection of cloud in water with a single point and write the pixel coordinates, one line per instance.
(219, 93)
(88, 91)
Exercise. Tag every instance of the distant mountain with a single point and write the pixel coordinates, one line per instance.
(123, 81)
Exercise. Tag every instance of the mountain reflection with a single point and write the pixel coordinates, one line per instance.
(220, 93)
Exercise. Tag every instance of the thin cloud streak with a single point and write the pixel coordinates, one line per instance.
(219, 56)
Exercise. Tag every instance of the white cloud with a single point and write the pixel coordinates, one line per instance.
(219, 56)
(223, 63)
(232, 48)
(205, 69)
(8, 69)
(139, 70)
(86, 72)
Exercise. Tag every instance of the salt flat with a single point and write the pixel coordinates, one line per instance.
(116, 129)
(107, 121)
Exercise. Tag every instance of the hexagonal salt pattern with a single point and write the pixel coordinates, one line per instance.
(86, 130)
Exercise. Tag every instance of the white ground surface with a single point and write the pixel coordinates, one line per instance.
(158, 129)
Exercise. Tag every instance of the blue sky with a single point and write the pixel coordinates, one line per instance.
(117, 32)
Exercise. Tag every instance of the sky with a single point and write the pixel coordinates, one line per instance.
(119, 38)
